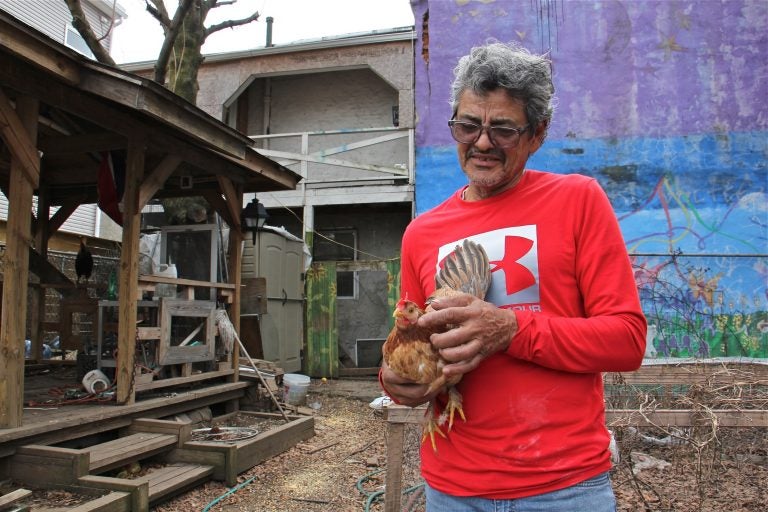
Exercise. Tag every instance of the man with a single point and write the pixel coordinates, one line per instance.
(561, 309)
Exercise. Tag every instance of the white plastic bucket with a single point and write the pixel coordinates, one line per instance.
(295, 388)
(95, 382)
(166, 290)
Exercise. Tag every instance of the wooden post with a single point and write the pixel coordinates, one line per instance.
(16, 272)
(129, 274)
(397, 417)
(235, 271)
(37, 295)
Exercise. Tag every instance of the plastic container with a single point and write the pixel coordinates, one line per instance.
(295, 388)
(166, 290)
(95, 382)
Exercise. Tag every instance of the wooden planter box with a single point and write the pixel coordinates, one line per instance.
(113, 502)
(232, 458)
(110, 502)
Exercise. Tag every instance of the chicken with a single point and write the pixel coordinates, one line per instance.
(408, 351)
(83, 262)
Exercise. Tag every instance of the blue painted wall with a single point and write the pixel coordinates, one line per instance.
(666, 104)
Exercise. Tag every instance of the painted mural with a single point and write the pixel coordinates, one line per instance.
(665, 103)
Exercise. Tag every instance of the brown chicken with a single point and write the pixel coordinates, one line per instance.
(408, 351)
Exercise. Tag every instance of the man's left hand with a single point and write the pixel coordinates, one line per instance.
(478, 329)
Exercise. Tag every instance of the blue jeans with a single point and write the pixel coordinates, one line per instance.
(593, 495)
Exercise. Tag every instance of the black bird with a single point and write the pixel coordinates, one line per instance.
(83, 262)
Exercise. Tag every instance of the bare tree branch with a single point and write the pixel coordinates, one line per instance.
(158, 11)
(80, 23)
(172, 31)
(231, 23)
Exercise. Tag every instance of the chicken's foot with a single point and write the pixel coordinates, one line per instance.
(451, 408)
(431, 426)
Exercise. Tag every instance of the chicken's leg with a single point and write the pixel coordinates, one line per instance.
(452, 407)
(431, 426)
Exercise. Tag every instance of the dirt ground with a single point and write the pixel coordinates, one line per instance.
(342, 467)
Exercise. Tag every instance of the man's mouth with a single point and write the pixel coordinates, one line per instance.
(484, 159)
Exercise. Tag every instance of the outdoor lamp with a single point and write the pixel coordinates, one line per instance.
(253, 217)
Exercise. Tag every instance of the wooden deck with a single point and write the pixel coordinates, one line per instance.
(46, 423)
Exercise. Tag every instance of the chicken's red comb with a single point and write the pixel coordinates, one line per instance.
(401, 302)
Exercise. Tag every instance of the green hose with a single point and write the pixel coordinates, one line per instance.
(228, 493)
(373, 496)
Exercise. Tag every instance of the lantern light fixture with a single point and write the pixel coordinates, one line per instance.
(253, 217)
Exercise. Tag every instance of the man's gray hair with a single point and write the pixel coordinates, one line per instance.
(523, 75)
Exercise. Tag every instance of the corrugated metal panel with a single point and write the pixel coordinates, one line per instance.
(322, 331)
(81, 222)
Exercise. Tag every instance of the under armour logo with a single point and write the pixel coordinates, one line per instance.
(516, 276)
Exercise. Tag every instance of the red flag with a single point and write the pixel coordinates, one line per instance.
(111, 184)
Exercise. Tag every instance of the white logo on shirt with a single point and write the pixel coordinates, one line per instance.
(513, 256)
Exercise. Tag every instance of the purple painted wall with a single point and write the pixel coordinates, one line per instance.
(666, 104)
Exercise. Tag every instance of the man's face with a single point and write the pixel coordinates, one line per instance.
(492, 169)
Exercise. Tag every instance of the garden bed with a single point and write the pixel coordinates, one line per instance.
(237, 442)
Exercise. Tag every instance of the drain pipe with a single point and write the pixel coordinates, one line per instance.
(270, 20)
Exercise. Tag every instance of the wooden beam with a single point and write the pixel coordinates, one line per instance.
(157, 178)
(61, 216)
(218, 203)
(16, 277)
(129, 274)
(151, 98)
(233, 201)
(701, 372)
(82, 143)
(687, 417)
(18, 140)
(41, 53)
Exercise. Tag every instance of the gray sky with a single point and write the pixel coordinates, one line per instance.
(139, 37)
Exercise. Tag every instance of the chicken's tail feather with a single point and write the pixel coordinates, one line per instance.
(466, 269)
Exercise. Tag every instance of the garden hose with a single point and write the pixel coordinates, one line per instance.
(373, 496)
(228, 493)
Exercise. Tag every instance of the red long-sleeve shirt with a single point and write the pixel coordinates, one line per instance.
(535, 414)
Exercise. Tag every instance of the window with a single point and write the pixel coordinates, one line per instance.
(339, 245)
(74, 40)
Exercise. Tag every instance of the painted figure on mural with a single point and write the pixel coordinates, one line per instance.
(562, 306)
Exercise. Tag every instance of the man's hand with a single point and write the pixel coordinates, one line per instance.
(403, 391)
(479, 329)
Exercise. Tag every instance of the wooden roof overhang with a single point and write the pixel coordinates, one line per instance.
(58, 112)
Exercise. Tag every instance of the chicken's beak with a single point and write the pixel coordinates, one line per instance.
(397, 313)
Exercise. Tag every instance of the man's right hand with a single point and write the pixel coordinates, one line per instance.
(403, 391)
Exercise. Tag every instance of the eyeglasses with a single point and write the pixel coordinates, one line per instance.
(501, 136)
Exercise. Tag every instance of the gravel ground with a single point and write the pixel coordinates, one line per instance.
(336, 470)
(342, 467)
(343, 464)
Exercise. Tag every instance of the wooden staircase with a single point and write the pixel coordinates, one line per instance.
(85, 467)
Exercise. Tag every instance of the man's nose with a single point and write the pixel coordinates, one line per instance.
(484, 140)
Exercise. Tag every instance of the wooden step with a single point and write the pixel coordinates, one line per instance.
(175, 478)
(113, 454)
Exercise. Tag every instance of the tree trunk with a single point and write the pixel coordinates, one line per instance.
(186, 59)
